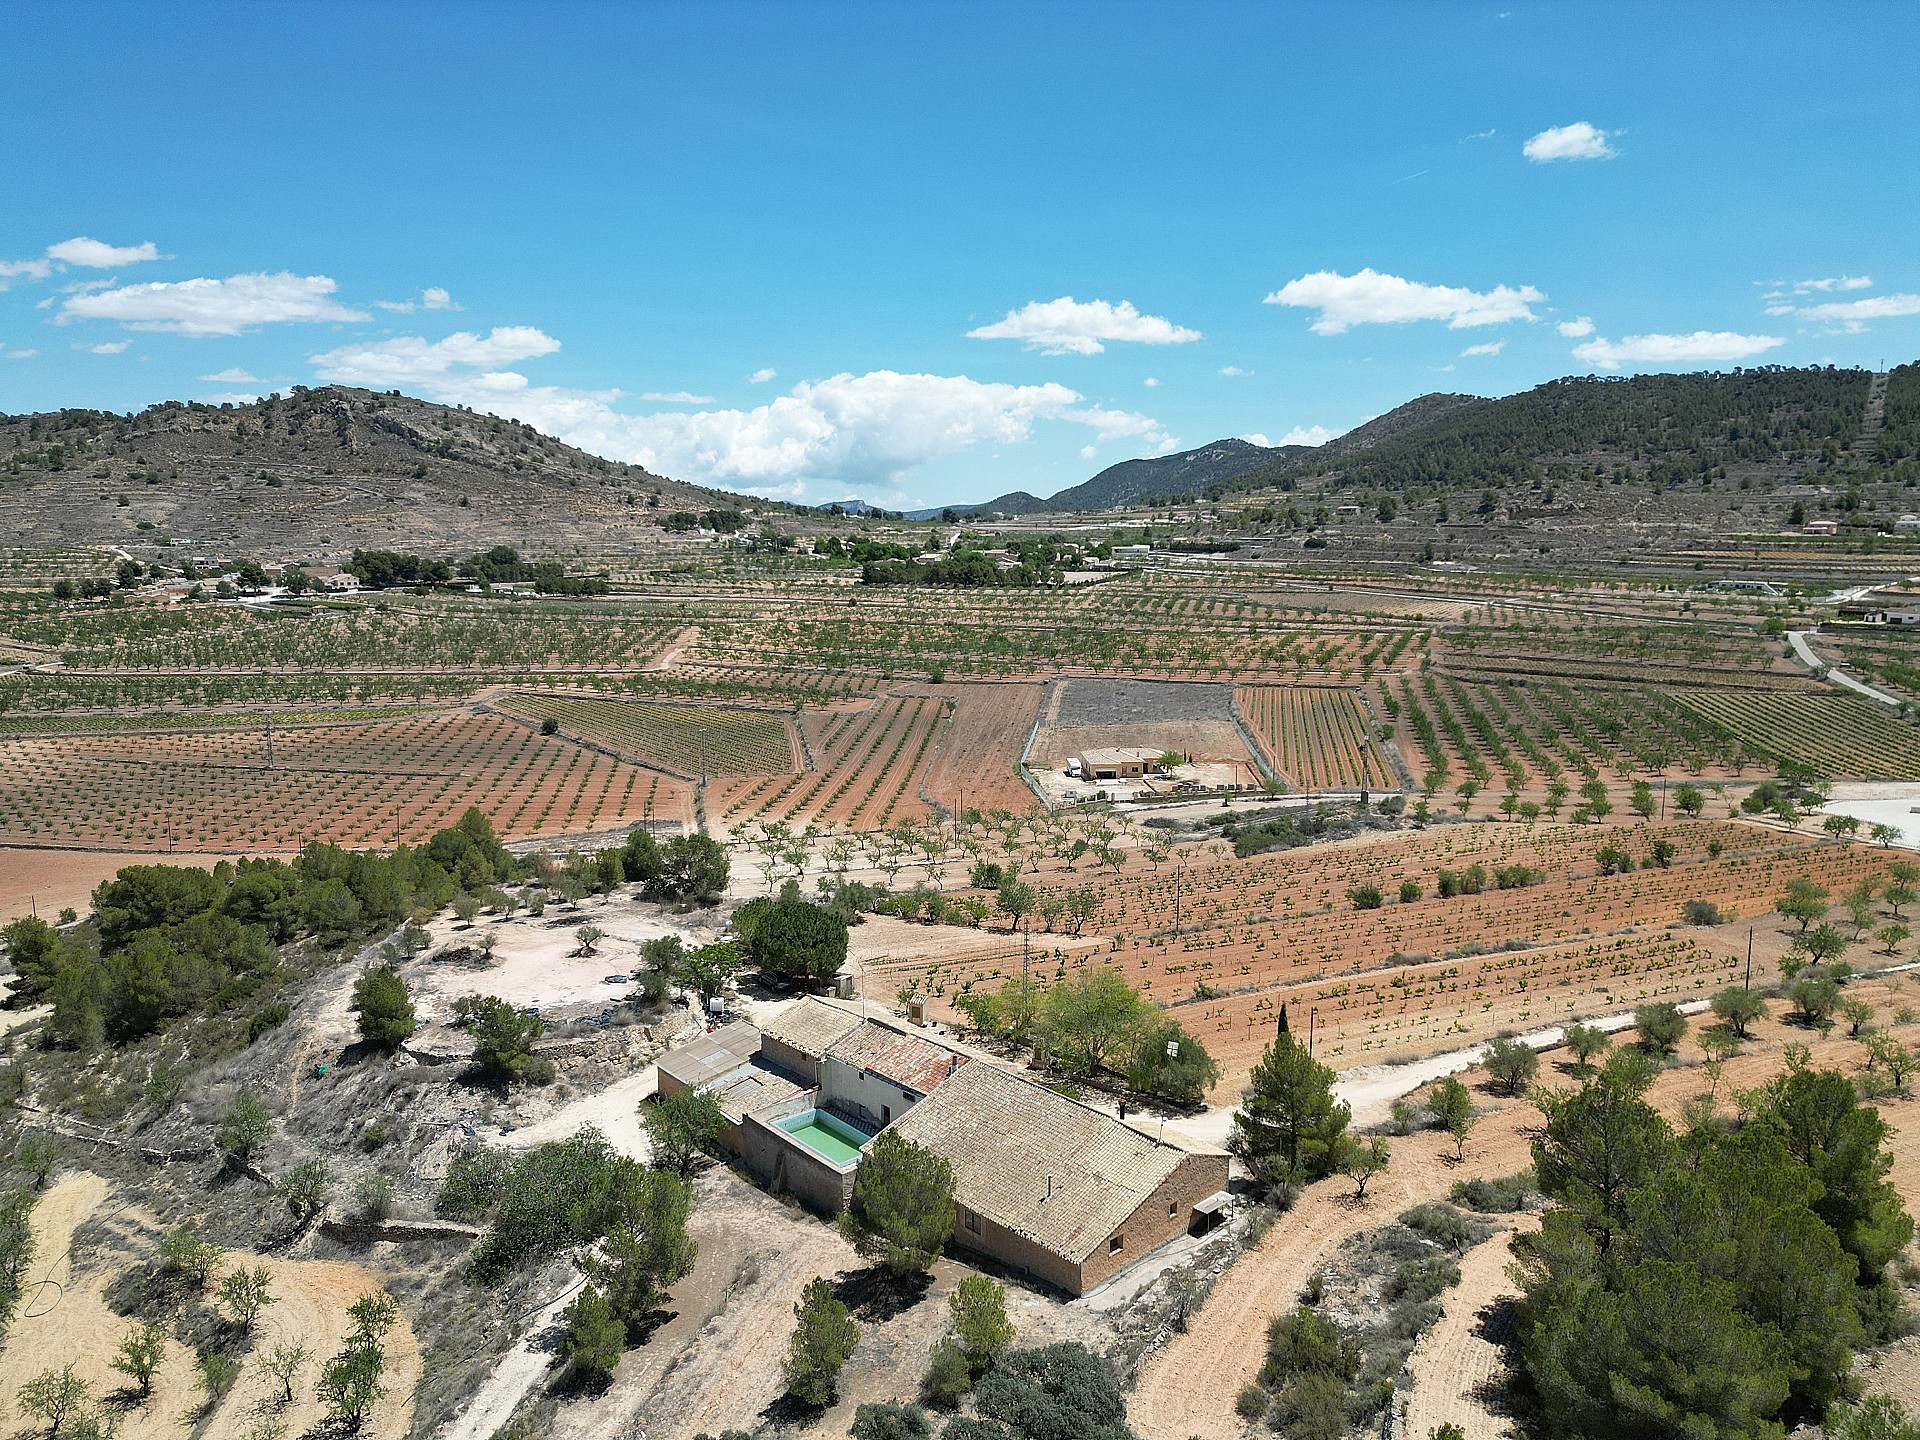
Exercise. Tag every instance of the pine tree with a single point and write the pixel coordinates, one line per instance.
(1289, 1127)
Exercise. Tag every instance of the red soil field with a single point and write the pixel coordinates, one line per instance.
(977, 754)
(376, 783)
(869, 760)
(1402, 978)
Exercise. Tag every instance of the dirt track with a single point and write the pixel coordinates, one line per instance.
(1188, 1387)
(1460, 1364)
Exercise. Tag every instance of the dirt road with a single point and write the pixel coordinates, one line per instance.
(1459, 1366)
(1188, 1387)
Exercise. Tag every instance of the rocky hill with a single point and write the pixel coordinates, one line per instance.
(1679, 431)
(1131, 481)
(316, 474)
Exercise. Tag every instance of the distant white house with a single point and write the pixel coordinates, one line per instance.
(1906, 524)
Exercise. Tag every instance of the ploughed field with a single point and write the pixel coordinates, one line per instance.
(1436, 971)
(1314, 738)
(375, 782)
(868, 763)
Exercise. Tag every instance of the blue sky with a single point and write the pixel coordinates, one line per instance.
(923, 253)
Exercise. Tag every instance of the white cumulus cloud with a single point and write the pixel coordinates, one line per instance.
(1853, 314)
(431, 298)
(109, 347)
(98, 255)
(1578, 141)
(847, 429)
(1576, 329)
(762, 376)
(1697, 347)
(232, 375)
(676, 397)
(410, 360)
(1308, 435)
(1072, 327)
(1368, 297)
(1492, 347)
(1233, 370)
(1831, 283)
(11, 270)
(1152, 382)
(1256, 438)
(214, 307)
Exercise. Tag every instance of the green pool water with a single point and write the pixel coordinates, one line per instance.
(824, 1135)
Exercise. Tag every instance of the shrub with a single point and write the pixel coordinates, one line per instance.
(373, 1196)
(386, 1013)
(243, 1127)
(306, 1188)
(1446, 1226)
(1059, 1392)
(475, 1180)
(182, 1252)
(1701, 912)
(823, 1338)
(981, 1329)
(1660, 1026)
(889, 1420)
(595, 1339)
(949, 1377)
(1512, 1063)
(1491, 1197)
(1418, 1281)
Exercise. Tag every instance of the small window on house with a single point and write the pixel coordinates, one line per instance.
(1113, 1245)
(886, 1114)
(1173, 1208)
(973, 1222)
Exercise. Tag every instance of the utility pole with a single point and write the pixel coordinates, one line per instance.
(1179, 868)
(269, 740)
(1313, 1012)
(1749, 957)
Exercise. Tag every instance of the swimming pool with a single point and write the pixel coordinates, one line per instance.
(825, 1135)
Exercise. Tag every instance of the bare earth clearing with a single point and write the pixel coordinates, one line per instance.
(63, 1316)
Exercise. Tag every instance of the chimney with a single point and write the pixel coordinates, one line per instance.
(1049, 1185)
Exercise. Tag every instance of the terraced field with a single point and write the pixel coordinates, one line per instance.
(1438, 969)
